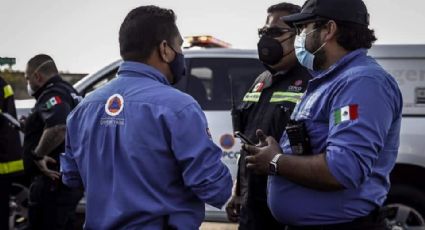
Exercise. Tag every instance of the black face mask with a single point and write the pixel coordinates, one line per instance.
(177, 66)
(270, 51)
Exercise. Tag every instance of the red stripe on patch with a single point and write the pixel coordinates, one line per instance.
(354, 113)
(58, 100)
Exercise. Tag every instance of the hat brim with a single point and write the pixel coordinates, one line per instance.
(297, 18)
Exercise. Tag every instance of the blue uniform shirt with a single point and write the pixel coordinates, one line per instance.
(142, 152)
(352, 113)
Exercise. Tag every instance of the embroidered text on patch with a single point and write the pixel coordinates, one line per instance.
(346, 113)
(53, 101)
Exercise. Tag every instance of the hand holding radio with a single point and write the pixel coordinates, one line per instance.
(245, 140)
(260, 156)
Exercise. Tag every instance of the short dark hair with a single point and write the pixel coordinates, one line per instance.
(284, 6)
(352, 36)
(43, 63)
(143, 29)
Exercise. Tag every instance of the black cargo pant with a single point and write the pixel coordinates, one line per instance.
(256, 215)
(5, 187)
(52, 205)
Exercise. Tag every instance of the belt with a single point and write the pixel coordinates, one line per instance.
(375, 217)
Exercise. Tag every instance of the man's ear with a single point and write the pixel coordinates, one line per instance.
(164, 51)
(38, 77)
(331, 30)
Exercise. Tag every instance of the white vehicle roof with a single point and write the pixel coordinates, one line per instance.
(397, 51)
(189, 53)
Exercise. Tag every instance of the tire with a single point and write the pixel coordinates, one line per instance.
(18, 218)
(406, 205)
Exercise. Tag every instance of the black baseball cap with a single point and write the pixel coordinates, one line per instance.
(354, 11)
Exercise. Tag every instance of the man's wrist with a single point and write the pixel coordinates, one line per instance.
(273, 165)
(34, 155)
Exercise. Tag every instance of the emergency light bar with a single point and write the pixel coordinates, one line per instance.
(206, 41)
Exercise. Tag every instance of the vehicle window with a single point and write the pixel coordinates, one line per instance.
(410, 76)
(205, 75)
(101, 81)
(212, 81)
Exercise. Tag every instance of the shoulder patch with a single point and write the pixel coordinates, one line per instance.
(298, 82)
(258, 87)
(7, 91)
(296, 86)
(114, 105)
(346, 113)
(56, 100)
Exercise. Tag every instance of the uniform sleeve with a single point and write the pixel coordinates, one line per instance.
(54, 109)
(362, 112)
(3, 121)
(68, 167)
(7, 101)
(199, 157)
(2, 98)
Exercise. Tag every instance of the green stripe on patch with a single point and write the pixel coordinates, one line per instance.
(11, 167)
(288, 99)
(337, 116)
(286, 96)
(252, 97)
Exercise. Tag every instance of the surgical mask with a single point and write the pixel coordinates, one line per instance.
(177, 66)
(30, 91)
(304, 56)
(270, 50)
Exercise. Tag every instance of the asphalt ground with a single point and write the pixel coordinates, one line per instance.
(218, 226)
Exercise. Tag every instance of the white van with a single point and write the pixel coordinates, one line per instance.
(214, 74)
(407, 64)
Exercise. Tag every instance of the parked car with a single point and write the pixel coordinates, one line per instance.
(216, 77)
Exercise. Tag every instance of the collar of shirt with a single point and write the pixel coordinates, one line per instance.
(293, 71)
(48, 84)
(280, 73)
(340, 63)
(138, 69)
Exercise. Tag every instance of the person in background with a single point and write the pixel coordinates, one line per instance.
(11, 164)
(267, 105)
(51, 203)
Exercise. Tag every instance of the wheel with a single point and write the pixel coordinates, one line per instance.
(18, 204)
(406, 208)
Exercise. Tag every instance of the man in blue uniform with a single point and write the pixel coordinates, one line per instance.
(331, 170)
(141, 148)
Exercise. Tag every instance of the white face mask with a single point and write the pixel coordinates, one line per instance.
(304, 57)
(30, 91)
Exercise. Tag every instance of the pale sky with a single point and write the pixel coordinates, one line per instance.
(82, 35)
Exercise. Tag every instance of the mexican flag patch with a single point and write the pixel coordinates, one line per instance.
(346, 113)
(258, 87)
(53, 101)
